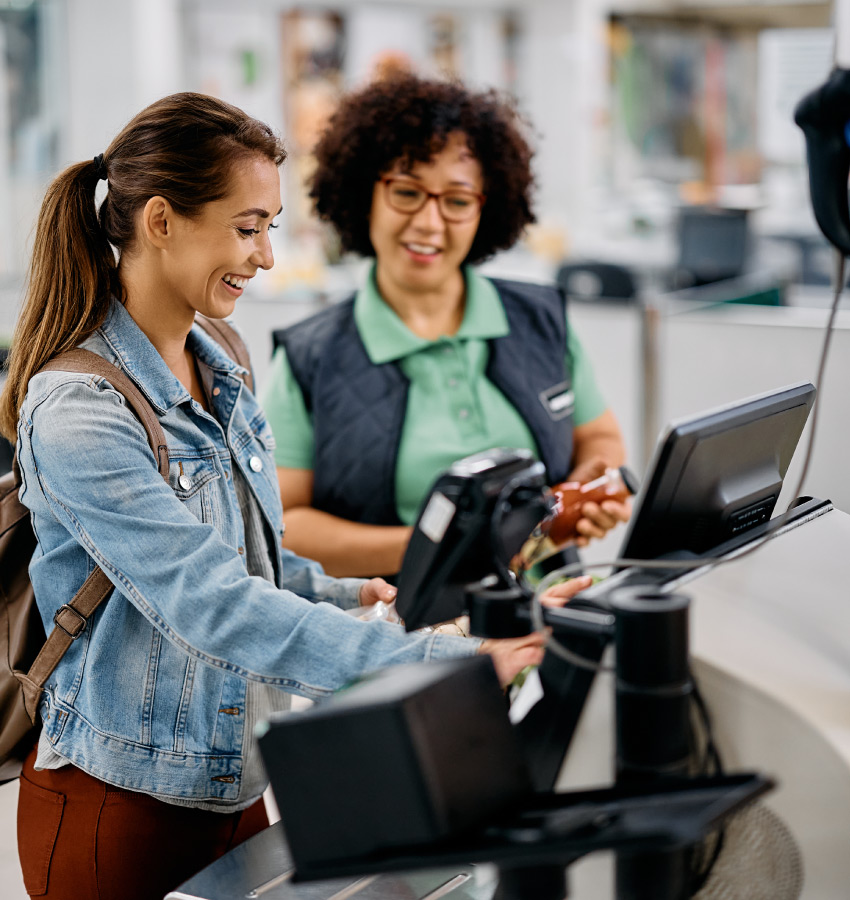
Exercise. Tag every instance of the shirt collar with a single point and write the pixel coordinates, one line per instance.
(386, 338)
(141, 360)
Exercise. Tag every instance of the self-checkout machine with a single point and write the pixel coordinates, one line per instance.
(387, 791)
(770, 652)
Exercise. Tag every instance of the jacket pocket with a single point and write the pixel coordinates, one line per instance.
(39, 816)
(188, 475)
(192, 479)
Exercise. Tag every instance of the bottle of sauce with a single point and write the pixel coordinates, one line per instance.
(558, 529)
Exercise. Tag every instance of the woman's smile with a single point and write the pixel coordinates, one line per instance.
(235, 284)
(422, 253)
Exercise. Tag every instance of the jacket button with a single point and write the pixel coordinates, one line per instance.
(216, 392)
(256, 464)
(185, 482)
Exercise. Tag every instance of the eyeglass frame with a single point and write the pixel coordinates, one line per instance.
(388, 179)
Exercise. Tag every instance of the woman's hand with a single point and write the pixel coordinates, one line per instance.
(512, 655)
(560, 594)
(597, 519)
(376, 589)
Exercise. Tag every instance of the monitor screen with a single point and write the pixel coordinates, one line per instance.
(717, 475)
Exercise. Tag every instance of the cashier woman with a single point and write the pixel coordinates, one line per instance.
(430, 361)
(146, 769)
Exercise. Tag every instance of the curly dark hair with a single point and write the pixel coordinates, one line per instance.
(410, 119)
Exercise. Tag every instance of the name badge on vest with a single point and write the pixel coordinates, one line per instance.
(559, 400)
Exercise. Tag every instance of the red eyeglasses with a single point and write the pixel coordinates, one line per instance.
(455, 204)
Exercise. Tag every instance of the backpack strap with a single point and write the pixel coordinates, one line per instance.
(228, 338)
(89, 363)
(71, 618)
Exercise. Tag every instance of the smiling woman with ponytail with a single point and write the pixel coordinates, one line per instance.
(182, 148)
(146, 767)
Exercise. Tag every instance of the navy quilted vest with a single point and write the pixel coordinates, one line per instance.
(358, 408)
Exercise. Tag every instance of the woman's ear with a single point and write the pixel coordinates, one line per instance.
(157, 222)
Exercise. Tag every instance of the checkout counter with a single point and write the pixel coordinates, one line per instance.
(771, 650)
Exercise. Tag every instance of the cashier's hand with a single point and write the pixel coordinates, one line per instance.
(597, 519)
(512, 655)
(559, 594)
(376, 589)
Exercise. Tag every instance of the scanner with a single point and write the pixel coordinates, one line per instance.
(824, 116)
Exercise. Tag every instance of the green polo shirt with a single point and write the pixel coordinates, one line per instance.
(453, 409)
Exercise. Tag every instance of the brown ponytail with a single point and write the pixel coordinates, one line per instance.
(71, 274)
(182, 148)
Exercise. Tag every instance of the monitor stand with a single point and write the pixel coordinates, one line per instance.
(804, 510)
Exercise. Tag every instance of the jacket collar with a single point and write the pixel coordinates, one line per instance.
(138, 357)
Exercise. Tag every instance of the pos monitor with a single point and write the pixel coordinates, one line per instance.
(716, 476)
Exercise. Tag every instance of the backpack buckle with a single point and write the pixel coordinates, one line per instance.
(74, 626)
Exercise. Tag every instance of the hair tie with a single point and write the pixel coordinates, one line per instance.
(100, 168)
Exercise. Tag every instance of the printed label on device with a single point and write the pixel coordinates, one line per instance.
(436, 518)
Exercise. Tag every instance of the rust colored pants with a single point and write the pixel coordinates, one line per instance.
(81, 839)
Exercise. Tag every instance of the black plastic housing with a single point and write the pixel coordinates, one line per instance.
(823, 115)
(408, 756)
(476, 517)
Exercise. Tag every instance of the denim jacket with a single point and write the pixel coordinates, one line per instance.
(151, 696)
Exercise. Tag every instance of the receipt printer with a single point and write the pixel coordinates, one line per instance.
(406, 756)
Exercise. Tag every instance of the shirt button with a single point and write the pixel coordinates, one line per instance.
(256, 464)
(463, 413)
(216, 392)
(185, 482)
(452, 382)
(241, 551)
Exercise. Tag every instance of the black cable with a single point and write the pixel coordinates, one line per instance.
(501, 508)
(710, 764)
(711, 747)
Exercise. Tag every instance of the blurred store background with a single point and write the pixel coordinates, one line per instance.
(639, 107)
(671, 178)
(672, 197)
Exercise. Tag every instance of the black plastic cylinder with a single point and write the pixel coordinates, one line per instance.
(493, 611)
(653, 695)
(653, 684)
(653, 876)
(532, 883)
